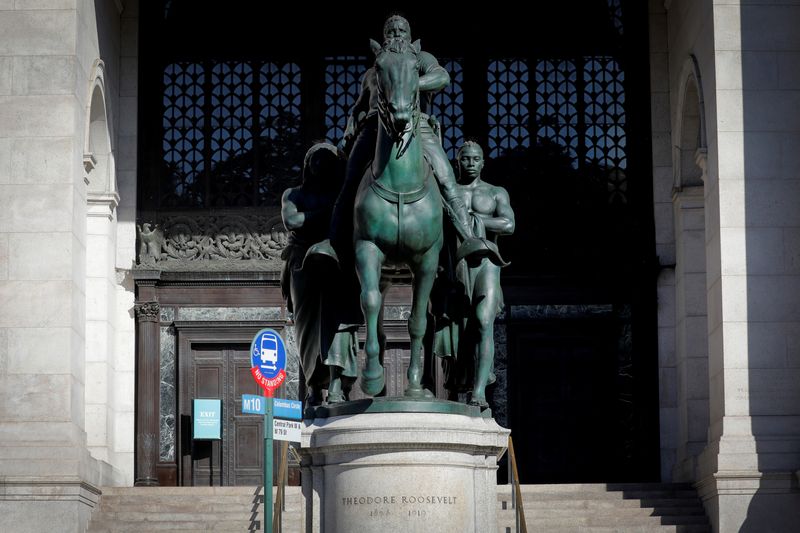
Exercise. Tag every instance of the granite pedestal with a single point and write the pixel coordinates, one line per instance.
(401, 465)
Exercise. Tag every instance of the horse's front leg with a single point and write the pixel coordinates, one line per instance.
(424, 276)
(369, 260)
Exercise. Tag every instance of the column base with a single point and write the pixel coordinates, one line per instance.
(46, 504)
(751, 501)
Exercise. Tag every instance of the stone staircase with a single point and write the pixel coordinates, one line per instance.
(220, 509)
(606, 508)
(584, 508)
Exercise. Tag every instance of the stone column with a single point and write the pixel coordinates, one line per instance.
(147, 387)
(691, 350)
(747, 473)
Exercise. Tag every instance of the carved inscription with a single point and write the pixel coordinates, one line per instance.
(407, 506)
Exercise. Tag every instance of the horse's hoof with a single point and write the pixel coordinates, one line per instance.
(336, 397)
(372, 384)
(418, 392)
(478, 401)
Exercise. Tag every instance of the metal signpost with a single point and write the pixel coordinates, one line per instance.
(267, 365)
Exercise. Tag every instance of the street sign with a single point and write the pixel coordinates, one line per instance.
(268, 360)
(268, 367)
(287, 408)
(207, 419)
(254, 405)
(288, 430)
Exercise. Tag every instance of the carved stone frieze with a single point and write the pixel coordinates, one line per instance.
(211, 241)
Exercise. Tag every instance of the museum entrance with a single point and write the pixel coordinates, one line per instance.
(220, 370)
(213, 362)
(231, 99)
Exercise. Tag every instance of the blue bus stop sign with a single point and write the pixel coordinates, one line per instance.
(268, 360)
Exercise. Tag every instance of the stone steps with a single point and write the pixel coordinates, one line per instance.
(662, 504)
(220, 509)
(603, 508)
(584, 508)
(508, 527)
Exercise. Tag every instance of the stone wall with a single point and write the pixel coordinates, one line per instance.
(746, 58)
(55, 354)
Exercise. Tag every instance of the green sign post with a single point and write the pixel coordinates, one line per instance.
(267, 365)
(268, 463)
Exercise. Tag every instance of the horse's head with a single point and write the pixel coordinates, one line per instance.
(397, 73)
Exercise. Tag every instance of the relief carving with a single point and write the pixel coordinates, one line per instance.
(147, 311)
(216, 242)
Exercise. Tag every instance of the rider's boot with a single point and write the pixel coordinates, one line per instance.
(327, 249)
(335, 392)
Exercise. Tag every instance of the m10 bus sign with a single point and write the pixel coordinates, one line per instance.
(268, 360)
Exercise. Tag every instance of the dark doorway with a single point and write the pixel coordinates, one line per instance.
(564, 404)
(222, 371)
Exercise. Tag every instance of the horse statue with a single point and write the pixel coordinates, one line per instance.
(397, 212)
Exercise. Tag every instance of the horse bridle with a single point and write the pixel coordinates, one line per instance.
(386, 120)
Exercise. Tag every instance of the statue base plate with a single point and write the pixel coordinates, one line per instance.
(396, 404)
(401, 471)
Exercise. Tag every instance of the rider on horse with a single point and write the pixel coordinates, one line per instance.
(360, 135)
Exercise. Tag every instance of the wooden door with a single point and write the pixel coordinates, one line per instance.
(221, 370)
(246, 431)
(207, 380)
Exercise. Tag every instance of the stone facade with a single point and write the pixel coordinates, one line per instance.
(728, 70)
(66, 411)
(725, 113)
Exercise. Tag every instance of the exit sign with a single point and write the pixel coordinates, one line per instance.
(207, 419)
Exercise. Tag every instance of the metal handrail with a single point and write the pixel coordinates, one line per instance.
(516, 493)
(277, 513)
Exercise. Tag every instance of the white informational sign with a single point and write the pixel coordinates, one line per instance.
(288, 430)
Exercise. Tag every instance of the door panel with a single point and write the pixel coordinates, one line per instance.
(396, 358)
(246, 431)
(222, 370)
(208, 382)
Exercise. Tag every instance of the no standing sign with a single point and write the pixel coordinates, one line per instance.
(268, 360)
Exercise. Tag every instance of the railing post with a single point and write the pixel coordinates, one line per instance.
(277, 515)
(516, 493)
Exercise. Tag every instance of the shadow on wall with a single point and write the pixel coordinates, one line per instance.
(771, 124)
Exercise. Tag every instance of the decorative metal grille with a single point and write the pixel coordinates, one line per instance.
(184, 140)
(231, 134)
(448, 107)
(604, 117)
(615, 12)
(556, 105)
(509, 102)
(215, 152)
(279, 129)
(342, 86)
